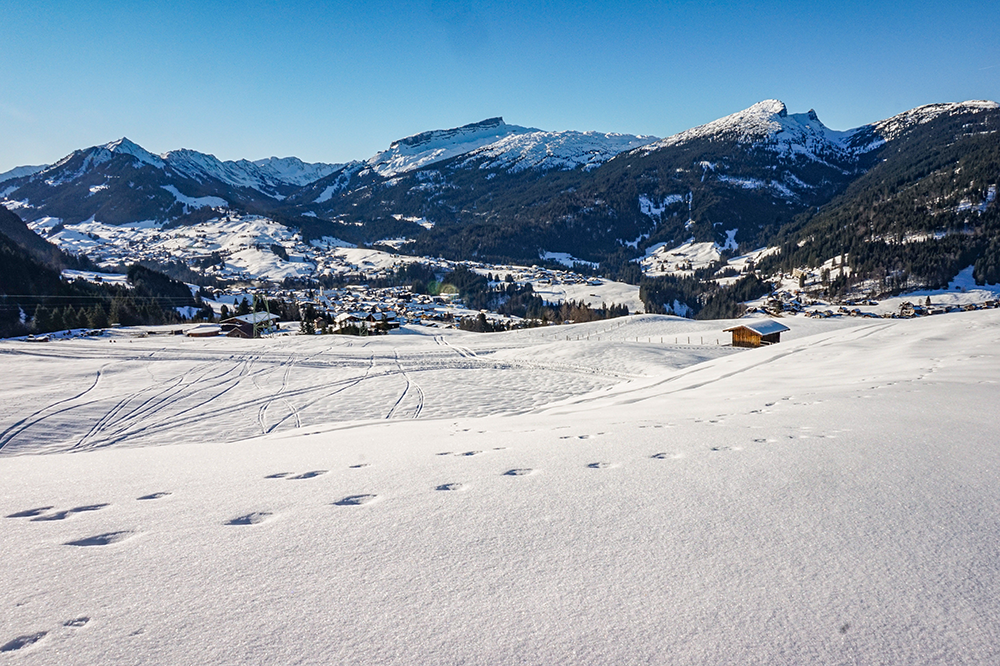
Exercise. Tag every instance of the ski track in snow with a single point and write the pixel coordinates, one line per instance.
(162, 395)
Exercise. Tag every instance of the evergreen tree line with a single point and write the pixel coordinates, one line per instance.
(704, 299)
(506, 297)
(902, 225)
(35, 299)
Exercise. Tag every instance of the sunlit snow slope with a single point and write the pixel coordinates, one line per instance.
(831, 499)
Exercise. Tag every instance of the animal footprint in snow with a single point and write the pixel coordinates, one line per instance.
(288, 475)
(28, 513)
(153, 496)
(600, 465)
(359, 466)
(105, 539)
(469, 453)
(666, 456)
(450, 486)
(355, 500)
(76, 622)
(521, 471)
(22, 641)
(308, 475)
(254, 518)
(727, 448)
(62, 515)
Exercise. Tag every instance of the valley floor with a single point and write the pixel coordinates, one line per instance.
(506, 498)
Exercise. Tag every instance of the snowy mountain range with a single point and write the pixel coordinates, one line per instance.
(491, 142)
(509, 192)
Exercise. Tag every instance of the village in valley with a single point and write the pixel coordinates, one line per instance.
(328, 286)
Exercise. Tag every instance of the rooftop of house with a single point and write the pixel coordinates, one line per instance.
(761, 327)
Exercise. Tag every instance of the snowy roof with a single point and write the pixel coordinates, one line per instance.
(761, 327)
(255, 317)
(204, 329)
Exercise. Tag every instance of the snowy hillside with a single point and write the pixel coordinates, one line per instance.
(429, 147)
(893, 127)
(811, 502)
(20, 172)
(553, 150)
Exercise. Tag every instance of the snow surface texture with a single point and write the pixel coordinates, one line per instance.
(214, 389)
(831, 499)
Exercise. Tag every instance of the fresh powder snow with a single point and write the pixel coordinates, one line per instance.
(617, 492)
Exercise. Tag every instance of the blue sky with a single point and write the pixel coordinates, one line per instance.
(333, 81)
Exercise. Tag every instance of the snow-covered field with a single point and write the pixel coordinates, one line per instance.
(831, 499)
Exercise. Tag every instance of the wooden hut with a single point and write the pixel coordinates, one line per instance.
(204, 331)
(757, 333)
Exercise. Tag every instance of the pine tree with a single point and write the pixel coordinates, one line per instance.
(117, 313)
(42, 321)
(57, 321)
(97, 317)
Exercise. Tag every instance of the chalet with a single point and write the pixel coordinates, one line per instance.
(243, 326)
(757, 333)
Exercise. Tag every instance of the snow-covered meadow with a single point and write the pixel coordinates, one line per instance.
(441, 497)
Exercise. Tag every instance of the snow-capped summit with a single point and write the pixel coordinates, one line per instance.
(124, 146)
(426, 148)
(554, 150)
(294, 171)
(769, 124)
(265, 176)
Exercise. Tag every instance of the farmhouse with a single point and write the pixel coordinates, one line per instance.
(757, 333)
(243, 326)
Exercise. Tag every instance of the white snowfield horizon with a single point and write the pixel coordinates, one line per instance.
(830, 499)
